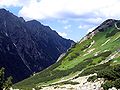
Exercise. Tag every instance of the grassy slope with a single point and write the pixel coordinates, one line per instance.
(77, 58)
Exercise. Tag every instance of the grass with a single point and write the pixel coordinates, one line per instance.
(66, 82)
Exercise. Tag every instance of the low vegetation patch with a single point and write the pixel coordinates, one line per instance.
(92, 78)
(94, 69)
(112, 33)
(111, 74)
(75, 55)
(67, 82)
(4, 83)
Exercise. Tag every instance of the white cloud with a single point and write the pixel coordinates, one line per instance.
(83, 26)
(16, 3)
(63, 34)
(63, 21)
(95, 9)
(67, 27)
(8, 3)
(88, 10)
(95, 20)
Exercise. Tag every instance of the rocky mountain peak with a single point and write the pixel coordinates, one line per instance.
(2, 11)
(101, 28)
(35, 22)
(22, 19)
(106, 24)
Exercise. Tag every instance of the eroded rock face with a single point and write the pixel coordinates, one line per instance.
(27, 47)
(106, 24)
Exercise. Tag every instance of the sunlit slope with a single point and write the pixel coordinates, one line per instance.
(100, 47)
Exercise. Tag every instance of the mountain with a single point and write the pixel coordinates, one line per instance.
(28, 47)
(91, 64)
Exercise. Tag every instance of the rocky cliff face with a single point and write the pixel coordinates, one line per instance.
(27, 47)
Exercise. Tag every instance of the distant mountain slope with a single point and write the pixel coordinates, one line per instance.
(27, 47)
(98, 54)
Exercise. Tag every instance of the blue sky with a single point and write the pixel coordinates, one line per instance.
(72, 19)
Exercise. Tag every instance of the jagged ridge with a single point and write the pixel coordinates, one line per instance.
(27, 47)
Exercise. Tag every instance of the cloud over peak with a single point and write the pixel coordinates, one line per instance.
(44, 9)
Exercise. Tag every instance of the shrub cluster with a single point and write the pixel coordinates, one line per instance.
(112, 33)
(111, 74)
(92, 78)
(4, 83)
(68, 82)
(75, 55)
(94, 69)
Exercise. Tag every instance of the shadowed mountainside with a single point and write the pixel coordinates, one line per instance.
(28, 47)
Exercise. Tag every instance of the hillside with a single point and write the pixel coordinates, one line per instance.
(92, 62)
(27, 47)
